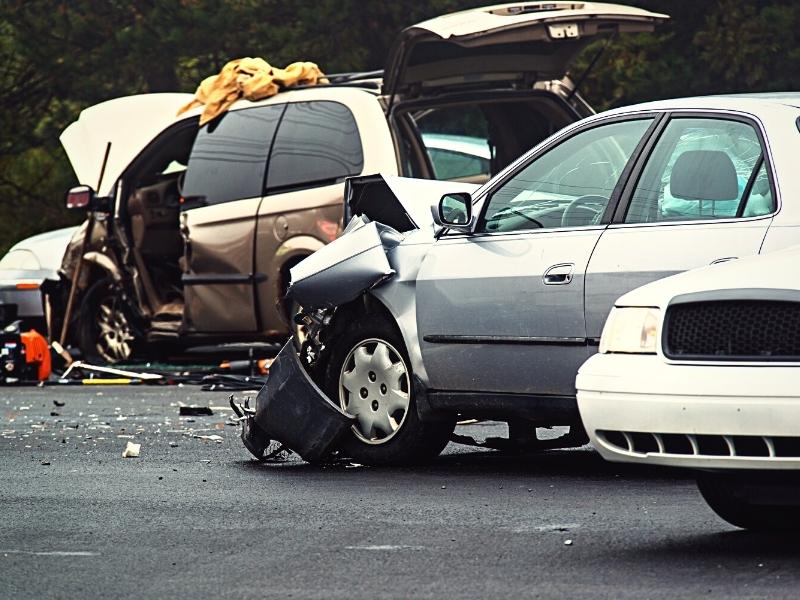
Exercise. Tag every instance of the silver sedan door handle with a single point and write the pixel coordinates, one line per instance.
(560, 274)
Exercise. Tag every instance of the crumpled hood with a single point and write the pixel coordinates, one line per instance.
(776, 270)
(402, 203)
(384, 210)
(128, 124)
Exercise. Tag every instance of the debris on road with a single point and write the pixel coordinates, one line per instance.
(229, 383)
(210, 438)
(131, 450)
(568, 542)
(59, 403)
(292, 410)
(195, 411)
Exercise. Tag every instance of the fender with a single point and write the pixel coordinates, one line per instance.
(105, 263)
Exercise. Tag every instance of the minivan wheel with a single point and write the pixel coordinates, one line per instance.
(369, 375)
(728, 496)
(105, 331)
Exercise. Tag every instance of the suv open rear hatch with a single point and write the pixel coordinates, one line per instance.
(505, 45)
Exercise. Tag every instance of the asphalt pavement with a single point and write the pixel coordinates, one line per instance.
(194, 517)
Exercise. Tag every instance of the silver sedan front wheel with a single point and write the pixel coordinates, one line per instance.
(375, 387)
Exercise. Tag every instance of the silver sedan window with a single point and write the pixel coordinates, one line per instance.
(702, 169)
(570, 185)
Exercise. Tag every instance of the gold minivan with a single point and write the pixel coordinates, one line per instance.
(193, 229)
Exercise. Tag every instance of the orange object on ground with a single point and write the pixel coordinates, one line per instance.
(260, 366)
(252, 79)
(37, 351)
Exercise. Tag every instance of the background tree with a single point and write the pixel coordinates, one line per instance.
(58, 57)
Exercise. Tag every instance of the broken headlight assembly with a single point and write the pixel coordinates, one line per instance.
(631, 330)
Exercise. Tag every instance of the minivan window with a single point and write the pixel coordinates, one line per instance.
(568, 186)
(317, 143)
(229, 156)
(702, 169)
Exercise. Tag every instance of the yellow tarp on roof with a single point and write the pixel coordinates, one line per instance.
(252, 79)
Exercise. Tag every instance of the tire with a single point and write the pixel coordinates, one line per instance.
(369, 375)
(728, 496)
(105, 328)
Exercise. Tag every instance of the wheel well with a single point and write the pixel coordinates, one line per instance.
(284, 279)
(364, 306)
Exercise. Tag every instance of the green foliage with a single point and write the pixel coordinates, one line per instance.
(59, 56)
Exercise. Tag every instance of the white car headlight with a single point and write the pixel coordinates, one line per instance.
(631, 330)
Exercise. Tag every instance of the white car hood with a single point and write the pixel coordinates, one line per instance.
(774, 271)
(128, 124)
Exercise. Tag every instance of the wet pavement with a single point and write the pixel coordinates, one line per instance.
(193, 516)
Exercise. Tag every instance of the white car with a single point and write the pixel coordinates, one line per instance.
(702, 370)
(24, 271)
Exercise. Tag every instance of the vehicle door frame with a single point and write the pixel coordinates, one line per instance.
(480, 203)
(485, 193)
(641, 161)
(251, 278)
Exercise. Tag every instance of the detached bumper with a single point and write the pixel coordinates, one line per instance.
(292, 410)
(642, 409)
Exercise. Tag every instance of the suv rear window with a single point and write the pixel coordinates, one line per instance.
(229, 156)
(317, 144)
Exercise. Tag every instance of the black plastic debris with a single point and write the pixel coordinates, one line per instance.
(230, 383)
(292, 410)
(195, 411)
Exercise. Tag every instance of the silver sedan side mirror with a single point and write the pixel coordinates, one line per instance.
(455, 211)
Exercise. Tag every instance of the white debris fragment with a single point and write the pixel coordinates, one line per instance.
(210, 438)
(131, 450)
(568, 542)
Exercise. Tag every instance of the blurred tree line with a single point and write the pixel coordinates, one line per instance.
(59, 57)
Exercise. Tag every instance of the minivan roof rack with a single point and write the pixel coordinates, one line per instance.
(338, 78)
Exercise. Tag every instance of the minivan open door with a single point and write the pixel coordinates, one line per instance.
(515, 44)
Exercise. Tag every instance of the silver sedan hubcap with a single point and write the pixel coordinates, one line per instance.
(115, 339)
(374, 387)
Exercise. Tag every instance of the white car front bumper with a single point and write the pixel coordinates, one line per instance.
(638, 408)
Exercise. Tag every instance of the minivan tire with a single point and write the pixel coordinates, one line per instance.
(105, 330)
(415, 440)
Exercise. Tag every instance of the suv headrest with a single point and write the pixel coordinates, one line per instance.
(704, 175)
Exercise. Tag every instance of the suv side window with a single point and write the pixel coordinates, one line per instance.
(229, 156)
(568, 186)
(317, 144)
(703, 169)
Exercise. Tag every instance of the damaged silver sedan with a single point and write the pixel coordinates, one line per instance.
(485, 305)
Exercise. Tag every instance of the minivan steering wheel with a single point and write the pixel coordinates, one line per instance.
(579, 205)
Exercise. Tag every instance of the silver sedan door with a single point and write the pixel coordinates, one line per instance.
(704, 195)
(502, 309)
